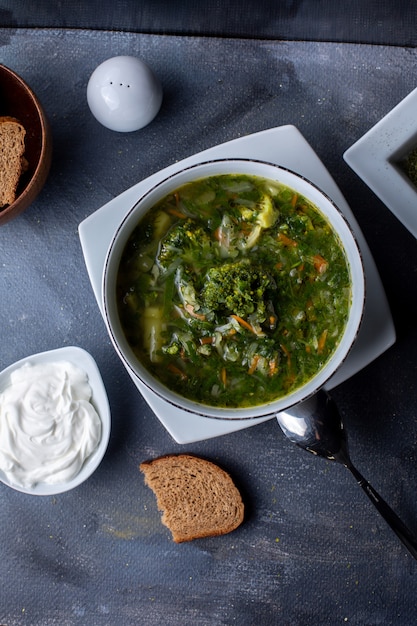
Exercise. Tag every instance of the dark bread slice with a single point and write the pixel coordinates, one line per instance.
(12, 148)
(197, 498)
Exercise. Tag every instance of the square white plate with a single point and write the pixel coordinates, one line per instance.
(375, 157)
(283, 146)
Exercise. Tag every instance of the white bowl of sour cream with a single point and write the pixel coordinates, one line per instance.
(54, 421)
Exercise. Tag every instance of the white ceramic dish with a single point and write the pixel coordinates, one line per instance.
(212, 168)
(284, 146)
(85, 361)
(375, 156)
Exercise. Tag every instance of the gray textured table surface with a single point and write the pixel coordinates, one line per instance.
(312, 549)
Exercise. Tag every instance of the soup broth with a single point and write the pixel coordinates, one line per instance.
(233, 291)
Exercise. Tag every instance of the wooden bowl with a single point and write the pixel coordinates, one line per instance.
(18, 100)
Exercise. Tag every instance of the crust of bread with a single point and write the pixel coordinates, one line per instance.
(12, 162)
(196, 497)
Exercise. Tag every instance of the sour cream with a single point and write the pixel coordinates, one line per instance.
(48, 425)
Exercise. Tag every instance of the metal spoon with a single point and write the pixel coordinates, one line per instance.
(315, 425)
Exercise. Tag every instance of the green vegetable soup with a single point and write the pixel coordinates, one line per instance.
(233, 290)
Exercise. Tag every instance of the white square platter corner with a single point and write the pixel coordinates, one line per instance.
(284, 146)
(375, 156)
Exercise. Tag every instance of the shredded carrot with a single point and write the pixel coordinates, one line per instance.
(176, 213)
(206, 340)
(244, 323)
(286, 241)
(245, 228)
(294, 200)
(286, 352)
(222, 237)
(177, 197)
(322, 341)
(320, 264)
(176, 370)
(223, 375)
(273, 367)
(254, 364)
(190, 309)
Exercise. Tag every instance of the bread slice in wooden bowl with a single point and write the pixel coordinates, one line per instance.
(12, 149)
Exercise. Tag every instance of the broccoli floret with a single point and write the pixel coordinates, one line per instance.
(236, 288)
(186, 241)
